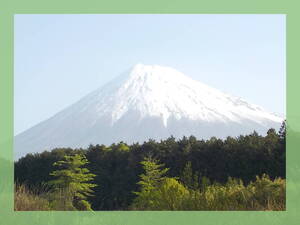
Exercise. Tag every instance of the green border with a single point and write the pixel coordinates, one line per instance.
(9, 8)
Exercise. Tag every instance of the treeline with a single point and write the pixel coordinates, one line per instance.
(117, 168)
(159, 192)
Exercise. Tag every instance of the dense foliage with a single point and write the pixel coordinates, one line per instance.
(73, 179)
(170, 194)
(188, 167)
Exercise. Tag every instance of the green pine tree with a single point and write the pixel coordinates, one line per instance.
(151, 180)
(154, 174)
(72, 180)
(188, 178)
(282, 132)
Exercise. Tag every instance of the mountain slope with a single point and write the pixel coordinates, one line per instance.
(146, 102)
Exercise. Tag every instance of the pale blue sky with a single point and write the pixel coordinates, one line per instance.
(61, 58)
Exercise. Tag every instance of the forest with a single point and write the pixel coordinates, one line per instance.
(236, 173)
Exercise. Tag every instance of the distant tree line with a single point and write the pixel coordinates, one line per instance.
(118, 173)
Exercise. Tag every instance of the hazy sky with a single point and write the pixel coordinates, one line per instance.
(61, 58)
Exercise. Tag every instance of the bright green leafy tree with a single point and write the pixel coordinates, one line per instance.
(153, 177)
(171, 195)
(73, 181)
(154, 174)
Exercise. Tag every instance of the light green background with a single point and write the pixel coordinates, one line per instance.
(7, 11)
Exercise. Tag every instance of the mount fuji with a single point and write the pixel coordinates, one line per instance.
(148, 101)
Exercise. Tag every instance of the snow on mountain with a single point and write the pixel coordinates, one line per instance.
(149, 101)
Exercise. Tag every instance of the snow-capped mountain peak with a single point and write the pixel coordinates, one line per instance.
(164, 92)
(148, 101)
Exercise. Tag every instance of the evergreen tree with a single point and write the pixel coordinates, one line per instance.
(153, 176)
(189, 179)
(282, 132)
(73, 181)
(151, 179)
